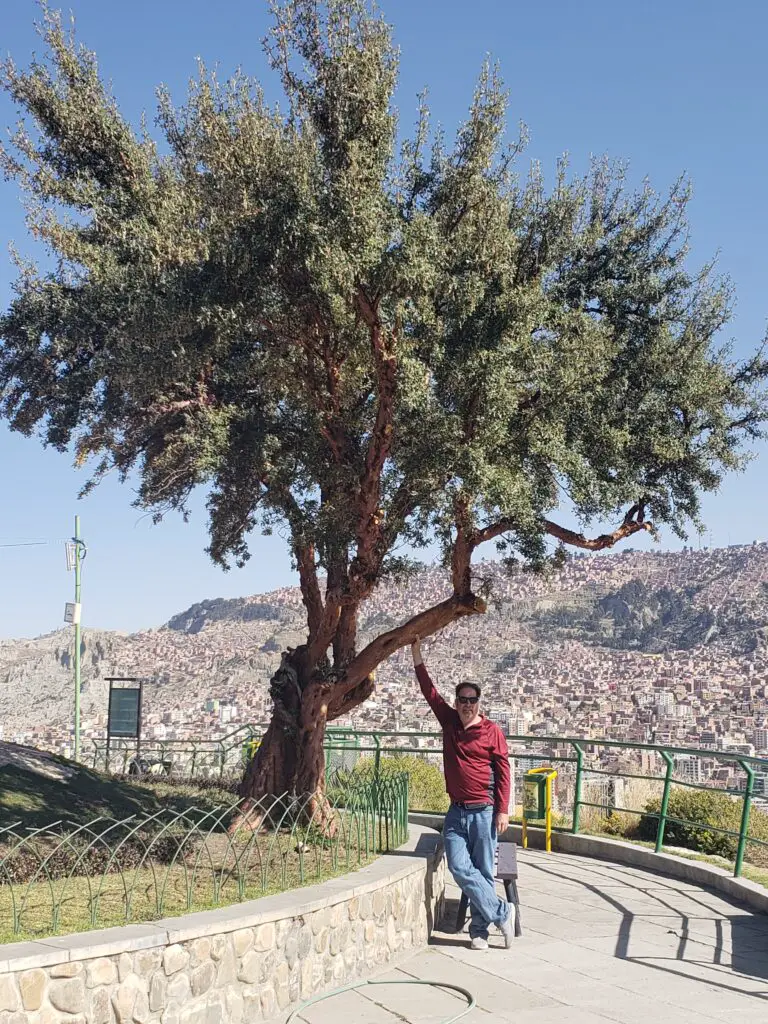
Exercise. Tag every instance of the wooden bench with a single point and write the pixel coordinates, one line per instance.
(506, 872)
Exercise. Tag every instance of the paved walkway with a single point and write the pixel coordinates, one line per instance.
(601, 942)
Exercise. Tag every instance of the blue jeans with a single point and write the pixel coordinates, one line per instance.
(470, 847)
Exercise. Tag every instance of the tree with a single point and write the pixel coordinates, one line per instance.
(363, 344)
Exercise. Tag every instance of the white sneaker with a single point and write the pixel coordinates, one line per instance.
(478, 943)
(508, 928)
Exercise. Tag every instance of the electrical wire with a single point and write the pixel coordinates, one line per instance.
(33, 543)
(27, 544)
(411, 981)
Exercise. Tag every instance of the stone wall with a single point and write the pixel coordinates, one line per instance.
(235, 964)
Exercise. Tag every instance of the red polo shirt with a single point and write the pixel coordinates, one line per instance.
(475, 760)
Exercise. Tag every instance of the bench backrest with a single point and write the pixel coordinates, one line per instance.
(506, 864)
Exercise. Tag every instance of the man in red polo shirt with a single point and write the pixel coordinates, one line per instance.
(476, 765)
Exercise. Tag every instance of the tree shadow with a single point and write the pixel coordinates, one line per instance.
(748, 937)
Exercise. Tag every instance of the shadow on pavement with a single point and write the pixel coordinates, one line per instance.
(748, 936)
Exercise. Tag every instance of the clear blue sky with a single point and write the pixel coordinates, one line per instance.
(670, 86)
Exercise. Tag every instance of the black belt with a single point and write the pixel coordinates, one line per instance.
(470, 807)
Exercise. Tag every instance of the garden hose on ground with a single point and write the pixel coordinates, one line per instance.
(411, 981)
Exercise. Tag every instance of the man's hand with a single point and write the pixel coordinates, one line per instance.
(416, 651)
(502, 823)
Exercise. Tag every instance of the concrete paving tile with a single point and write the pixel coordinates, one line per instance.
(754, 1015)
(563, 1015)
(625, 990)
(578, 912)
(571, 930)
(602, 944)
(492, 992)
(674, 985)
(571, 956)
(348, 1008)
(723, 935)
(722, 976)
(419, 1004)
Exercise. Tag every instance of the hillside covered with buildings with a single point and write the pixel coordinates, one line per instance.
(667, 648)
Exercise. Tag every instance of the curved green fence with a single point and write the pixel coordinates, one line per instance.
(65, 877)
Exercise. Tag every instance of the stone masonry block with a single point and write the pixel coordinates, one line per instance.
(32, 985)
(100, 972)
(66, 970)
(264, 938)
(68, 995)
(243, 940)
(202, 978)
(175, 958)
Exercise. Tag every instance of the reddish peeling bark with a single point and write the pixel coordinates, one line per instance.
(291, 758)
(327, 677)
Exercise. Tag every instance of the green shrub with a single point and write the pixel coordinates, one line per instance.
(695, 809)
(618, 824)
(426, 785)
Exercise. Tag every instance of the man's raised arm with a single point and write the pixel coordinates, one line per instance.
(441, 709)
(503, 782)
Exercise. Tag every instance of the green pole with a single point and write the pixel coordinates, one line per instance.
(77, 637)
(577, 787)
(740, 850)
(376, 770)
(664, 799)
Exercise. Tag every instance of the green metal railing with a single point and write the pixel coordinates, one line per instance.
(183, 758)
(68, 877)
(581, 762)
(581, 755)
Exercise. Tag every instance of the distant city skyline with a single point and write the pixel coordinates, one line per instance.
(611, 647)
(678, 89)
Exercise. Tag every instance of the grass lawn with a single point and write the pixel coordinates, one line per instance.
(70, 878)
(219, 872)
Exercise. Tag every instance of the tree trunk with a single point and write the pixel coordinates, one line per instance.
(289, 765)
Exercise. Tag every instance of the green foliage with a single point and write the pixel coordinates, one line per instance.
(694, 810)
(619, 824)
(426, 785)
(360, 344)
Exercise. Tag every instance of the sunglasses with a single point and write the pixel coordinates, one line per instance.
(467, 700)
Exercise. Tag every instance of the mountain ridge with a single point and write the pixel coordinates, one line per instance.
(702, 607)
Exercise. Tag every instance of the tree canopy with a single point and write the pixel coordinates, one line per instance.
(368, 337)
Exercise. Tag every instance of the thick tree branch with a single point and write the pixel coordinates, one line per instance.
(337, 585)
(343, 704)
(369, 552)
(344, 639)
(310, 586)
(463, 546)
(424, 624)
(634, 522)
(605, 540)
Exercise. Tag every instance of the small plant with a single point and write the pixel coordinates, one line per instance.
(426, 784)
(700, 820)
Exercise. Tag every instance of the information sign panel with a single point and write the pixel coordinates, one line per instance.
(124, 706)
